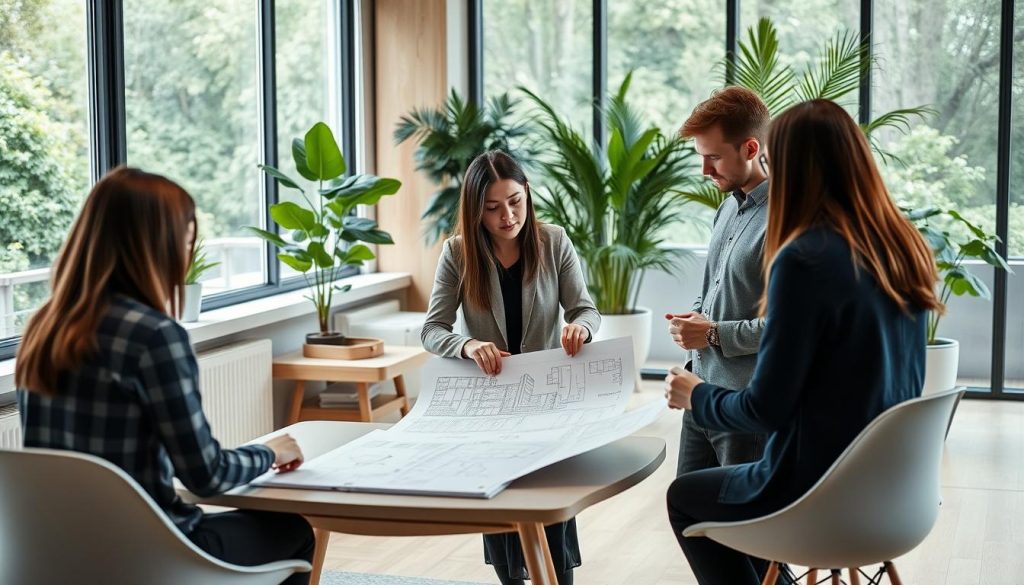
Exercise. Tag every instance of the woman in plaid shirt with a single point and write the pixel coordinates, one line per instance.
(105, 369)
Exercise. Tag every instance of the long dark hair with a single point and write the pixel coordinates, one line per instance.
(477, 247)
(129, 239)
(822, 172)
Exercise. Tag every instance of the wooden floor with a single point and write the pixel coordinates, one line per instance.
(978, 540)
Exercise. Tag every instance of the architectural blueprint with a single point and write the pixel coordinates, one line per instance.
(470, 434)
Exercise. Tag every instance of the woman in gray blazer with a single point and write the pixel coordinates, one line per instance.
(509, 273)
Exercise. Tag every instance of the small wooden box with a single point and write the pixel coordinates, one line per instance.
(354, 348)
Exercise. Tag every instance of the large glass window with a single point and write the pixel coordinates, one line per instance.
(945, 54)
(546, 46)
(44, 145)
(672, 48)
(192, 92)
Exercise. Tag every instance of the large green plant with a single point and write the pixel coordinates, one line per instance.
(449, 138)
(613, 202)
(320, 230)
(835, 73)
(952, 249)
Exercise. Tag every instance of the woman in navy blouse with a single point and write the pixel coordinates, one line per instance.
(105, 369)
(848, 282)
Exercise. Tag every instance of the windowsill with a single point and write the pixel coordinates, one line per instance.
(219, 323)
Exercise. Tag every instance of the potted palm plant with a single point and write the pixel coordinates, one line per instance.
(954, 241)
(324, 235)
(193, 288)
(835, 74)
(615, 203)
(449, 138)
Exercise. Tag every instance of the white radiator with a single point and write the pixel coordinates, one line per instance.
(10, 427)
(235, 382)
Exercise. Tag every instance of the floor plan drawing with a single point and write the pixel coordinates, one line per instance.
(469, 434)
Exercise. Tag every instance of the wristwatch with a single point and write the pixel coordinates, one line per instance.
(711, 335)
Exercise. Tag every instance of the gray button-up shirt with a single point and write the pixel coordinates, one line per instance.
(733, 283)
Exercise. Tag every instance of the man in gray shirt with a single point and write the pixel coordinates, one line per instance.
(723, 328)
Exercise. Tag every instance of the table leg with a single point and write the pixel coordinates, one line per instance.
(537, 554)
(322, 537)
(400, 391)
(365, 410)
(298, 394)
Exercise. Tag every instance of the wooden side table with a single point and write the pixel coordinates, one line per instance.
(395, 361)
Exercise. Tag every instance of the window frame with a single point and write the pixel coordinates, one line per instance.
(108, 143)
(1000, 289)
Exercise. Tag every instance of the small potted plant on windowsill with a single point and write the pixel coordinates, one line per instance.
(325, 234)
(951, 250)
(194, 288)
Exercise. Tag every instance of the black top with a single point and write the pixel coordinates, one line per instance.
(836, 351)
(511, 280)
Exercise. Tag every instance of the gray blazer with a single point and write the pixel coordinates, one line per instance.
(559, 281)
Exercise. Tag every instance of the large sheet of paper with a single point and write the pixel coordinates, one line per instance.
(470, 434)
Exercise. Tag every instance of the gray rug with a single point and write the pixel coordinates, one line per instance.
(340, 578)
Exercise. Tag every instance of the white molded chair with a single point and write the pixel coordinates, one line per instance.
(878, 501)
(72, 518)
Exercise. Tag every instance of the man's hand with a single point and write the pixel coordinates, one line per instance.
(486, 355)
(679, 385)
(688, 330)
(573, 338)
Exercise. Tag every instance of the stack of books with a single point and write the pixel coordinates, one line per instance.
(344, 394)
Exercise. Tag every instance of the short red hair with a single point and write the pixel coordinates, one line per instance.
(738, 111)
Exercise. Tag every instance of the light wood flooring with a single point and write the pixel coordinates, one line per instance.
(978, 540)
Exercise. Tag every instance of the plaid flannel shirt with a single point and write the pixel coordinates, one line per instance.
(136, 404)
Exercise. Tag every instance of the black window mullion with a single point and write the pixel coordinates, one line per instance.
(732, 33)
(345, 27)
(600, 70)
(105, 40)
(1000, 280)
(475, 45)
(867, 22)
(268, 130)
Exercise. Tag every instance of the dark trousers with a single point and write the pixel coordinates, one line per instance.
(247, 538)
(694, 498)
(701, 448)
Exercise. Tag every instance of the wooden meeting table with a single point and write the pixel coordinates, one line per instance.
(553, 494)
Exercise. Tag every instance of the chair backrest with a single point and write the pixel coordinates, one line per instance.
(878, 501)
(67, 517)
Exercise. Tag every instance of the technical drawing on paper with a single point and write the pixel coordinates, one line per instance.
(565, 385)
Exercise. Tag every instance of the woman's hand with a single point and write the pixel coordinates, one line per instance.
(287, 455)
(573, 338)
(486, 355)
(679, 385)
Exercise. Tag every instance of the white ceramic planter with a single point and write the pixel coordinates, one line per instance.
(193, 299)
(941, 364)
(637, 326)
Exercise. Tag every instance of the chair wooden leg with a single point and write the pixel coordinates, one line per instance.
(894, 577)
(837, 577)
(812, 576)
(322, 537)
(854, 575)
(772, 575)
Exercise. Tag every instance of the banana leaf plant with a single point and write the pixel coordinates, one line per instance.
(834, 74)
(616, 201)
(952, 251)
(325, 236)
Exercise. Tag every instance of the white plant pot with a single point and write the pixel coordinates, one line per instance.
(637, 326)
(941, 363)
(193, 298)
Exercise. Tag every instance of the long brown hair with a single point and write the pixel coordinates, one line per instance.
(477, 247)
(823, 173)
(129, 239)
